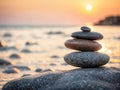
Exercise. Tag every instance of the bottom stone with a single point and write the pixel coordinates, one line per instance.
(86, 59)
(77, 79)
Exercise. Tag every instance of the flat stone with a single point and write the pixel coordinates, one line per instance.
(83, 45)
(11, 70)
(86, 59)
(87, 35)
(85, 29)
(77, 79)
(5, 62)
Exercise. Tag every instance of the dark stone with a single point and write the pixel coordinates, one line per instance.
(86, 59)
(78, 79)
(5, 62)
(85, 29)
(38, 70)
(87, 35)
(11, 70)
(14, 56)
(83, 45)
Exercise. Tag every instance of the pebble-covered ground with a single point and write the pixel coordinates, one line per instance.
(38, 50)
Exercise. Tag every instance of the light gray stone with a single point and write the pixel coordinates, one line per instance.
(86, 59)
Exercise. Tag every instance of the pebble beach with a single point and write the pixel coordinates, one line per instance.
(38, 50)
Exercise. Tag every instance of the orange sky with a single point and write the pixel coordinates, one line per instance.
(55, 12)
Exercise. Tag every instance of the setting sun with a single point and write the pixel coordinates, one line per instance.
(89, 7)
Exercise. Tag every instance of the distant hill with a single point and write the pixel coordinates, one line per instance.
(110, 20)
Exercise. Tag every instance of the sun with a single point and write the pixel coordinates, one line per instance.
(89, 7)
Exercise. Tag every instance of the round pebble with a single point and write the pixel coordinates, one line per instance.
(85, 29)
(87, 35)
(83, 45)
(14, 56)
(86, 59)
(38, 70)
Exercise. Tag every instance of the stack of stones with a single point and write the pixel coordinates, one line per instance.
(85, 42)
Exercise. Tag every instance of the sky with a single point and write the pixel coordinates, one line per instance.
(56, 12)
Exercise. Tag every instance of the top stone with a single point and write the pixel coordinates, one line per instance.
(85, 29)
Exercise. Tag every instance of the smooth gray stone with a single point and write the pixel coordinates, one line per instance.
(85, 29)
(87, 35)
(86, 59)
(77, 79)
